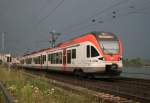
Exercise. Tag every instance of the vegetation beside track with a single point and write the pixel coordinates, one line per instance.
(1, 97)
(36, 90)
(136, 62)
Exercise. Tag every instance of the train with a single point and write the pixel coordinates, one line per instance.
(91, 54)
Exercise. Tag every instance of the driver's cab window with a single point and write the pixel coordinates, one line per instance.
(91, 51)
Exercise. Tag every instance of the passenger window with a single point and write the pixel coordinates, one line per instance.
(44, 58)
(49, 57)
(52, 58)
(94, 52)
(73, 53)
(8, 59)
(88, 51)
(68, 56)
(57, 58)
(60, 57)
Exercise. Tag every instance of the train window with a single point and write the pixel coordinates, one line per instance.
(49, 57)
(73, 53)
(52, 56)
(60, 57)
(64, 56)
(8, 59)
(34, 60)
(88, 51)
(39, 59)
(53, 60)
(44, 58)
(22, 61)
(68, 56)
(57, 58)
(28, 61)
(94, 52)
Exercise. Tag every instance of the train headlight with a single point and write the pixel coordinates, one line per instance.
(101, 58)
(120, 58)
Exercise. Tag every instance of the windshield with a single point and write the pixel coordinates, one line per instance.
(110, 47)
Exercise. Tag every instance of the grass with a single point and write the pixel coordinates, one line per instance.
(1, 97)
(37, 90)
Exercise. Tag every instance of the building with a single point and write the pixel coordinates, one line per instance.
(5, 58)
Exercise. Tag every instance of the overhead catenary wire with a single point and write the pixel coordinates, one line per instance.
(44, 5)
(88, 20)
(133, 11)
(100, 13)
(95, 15)
(98, 21)
(93, 21)
(49, 14)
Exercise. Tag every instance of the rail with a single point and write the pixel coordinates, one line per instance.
(131, 89)
(7, 98)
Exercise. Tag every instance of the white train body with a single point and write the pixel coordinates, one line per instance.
(92, 53)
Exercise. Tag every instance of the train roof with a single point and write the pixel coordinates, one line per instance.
(97, 34)
(37, 51)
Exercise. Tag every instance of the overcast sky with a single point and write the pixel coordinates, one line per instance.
(27, 23)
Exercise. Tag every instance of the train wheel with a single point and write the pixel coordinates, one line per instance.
(91, 76)
(79, 73)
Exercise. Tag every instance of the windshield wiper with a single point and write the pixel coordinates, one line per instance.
(104, 49)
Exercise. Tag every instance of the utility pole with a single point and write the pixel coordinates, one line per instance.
(3, 46)
(3, 41)
(54, 37)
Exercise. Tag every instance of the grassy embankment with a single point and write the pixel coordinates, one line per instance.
(38, 90)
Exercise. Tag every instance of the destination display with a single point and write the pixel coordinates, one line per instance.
(105, 36)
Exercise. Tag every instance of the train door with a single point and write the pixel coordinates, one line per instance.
(94, 55)
(91, 55)
(41, 61)
(88, 55)
(69, 59)
(44, 63)
(64, 59)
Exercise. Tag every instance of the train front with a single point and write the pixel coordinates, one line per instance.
(111, 49)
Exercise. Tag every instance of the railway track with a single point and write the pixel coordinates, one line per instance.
(133, 89)
(6, 97)
(133, 81)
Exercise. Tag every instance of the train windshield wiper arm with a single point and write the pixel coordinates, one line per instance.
(104, 49)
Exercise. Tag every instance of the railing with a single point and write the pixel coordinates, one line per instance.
(4, 95)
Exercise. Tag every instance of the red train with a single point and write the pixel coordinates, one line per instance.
(95, 53)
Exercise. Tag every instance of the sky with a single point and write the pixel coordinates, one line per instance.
(27, 23)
